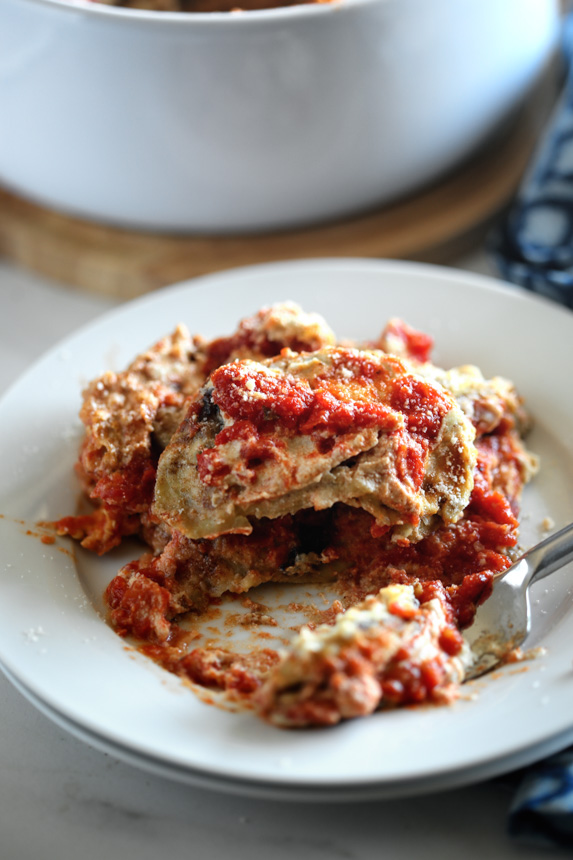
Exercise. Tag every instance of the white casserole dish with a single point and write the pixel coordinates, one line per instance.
(230, 122)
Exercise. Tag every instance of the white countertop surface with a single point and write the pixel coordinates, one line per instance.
(62, 800)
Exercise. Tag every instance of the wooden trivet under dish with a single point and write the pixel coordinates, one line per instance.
(433, 225)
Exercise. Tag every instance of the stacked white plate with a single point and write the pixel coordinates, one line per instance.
(55, 644)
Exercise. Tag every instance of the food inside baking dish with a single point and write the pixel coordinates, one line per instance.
(279, 455)
(205, 5)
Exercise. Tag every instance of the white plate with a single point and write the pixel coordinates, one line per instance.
(293, 791)
(56, 644)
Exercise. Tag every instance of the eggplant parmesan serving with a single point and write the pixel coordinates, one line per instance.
(279, 454)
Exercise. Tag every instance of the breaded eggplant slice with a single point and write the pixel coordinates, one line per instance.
(266, 439)
(127, 416)
(265, 334)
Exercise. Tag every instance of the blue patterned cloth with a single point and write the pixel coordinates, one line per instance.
(542, 810)
(534, 246)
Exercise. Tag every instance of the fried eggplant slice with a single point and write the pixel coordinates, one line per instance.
(267, 439)
(265, 334)
(127, 416)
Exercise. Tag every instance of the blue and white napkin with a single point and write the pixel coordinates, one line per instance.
(542, 809)
(534, 246)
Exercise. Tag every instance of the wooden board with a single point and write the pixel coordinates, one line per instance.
(433, 225)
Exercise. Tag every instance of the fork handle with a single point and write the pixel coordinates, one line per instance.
(548, 556)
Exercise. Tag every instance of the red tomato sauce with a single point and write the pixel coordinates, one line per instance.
(366, 399)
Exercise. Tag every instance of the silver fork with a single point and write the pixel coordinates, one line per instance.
(504, 620)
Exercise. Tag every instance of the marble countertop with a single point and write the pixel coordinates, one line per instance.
(62, 800)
